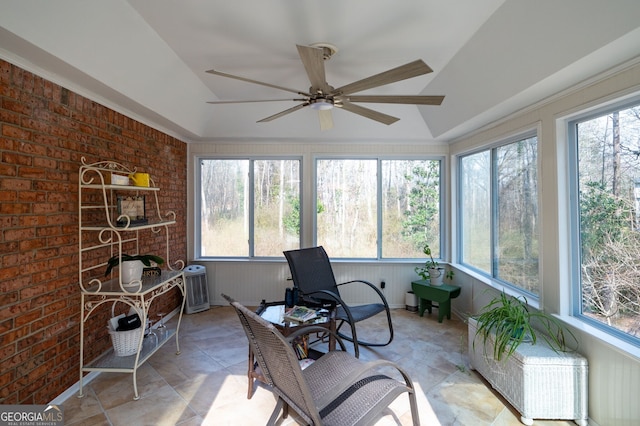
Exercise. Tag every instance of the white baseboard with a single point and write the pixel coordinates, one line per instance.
(74, 389)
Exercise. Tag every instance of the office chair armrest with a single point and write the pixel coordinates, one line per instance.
(315, 329)
(331, 296)
(338, 301)
(376, 289)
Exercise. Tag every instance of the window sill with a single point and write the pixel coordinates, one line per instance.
(532, 301)
(619, 345)
(409, 262)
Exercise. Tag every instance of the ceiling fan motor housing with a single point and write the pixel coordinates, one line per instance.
(328, 50)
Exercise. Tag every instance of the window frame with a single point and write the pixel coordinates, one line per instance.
(492, 280)
(617, 338)
(251, 202)
(379, 159)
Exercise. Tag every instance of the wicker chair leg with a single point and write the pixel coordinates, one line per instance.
(250, 376)
(414, 408)
(276, 411)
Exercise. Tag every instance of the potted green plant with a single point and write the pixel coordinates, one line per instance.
(132, 265)
(431, 269)
(506, 322)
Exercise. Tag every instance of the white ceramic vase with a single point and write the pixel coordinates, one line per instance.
(131, 271)
(436, 276)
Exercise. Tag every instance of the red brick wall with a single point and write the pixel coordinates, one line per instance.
(45, 130)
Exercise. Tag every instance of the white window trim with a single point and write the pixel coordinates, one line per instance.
(567, 222)
(197, 190)
(488, 278)
(379, 158)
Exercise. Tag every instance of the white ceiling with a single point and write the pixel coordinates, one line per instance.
(147, 58)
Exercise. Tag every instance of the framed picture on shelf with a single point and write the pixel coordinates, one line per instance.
(134, 208)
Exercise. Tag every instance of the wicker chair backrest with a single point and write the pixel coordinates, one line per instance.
(278, 362)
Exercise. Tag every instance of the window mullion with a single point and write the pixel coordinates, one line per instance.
(495, 211)
(250, 205)
(379, 209)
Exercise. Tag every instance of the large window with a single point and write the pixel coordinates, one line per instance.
(249, 207)
(378, 208)
(607, 181)
(475, 210)
(498, 212)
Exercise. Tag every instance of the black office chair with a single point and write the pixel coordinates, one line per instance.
(313, 276)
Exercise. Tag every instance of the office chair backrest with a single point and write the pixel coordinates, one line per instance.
(311, 270)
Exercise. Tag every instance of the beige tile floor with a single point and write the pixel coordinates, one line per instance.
(207, 384)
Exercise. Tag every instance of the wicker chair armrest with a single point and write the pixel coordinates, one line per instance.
(380, 363)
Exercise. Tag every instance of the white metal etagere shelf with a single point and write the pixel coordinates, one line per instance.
(103, 233)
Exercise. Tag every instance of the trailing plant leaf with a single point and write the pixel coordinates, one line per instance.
(557, 336)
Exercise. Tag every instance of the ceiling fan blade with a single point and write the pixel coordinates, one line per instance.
(260, 100)
(248, 80)
(368, 113)
(282, 113)
(326, 119)
(313, 61)
(403, 72)
(400, 99)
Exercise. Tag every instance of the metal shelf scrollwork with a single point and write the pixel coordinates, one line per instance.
(103, 232)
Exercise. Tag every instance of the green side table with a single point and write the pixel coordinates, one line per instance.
(427, 294)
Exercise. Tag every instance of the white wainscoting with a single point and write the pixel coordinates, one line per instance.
(250, 282)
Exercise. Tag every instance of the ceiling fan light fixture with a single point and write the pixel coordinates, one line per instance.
(321, 105)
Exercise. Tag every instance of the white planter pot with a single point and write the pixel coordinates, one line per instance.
(131, 271)
(411, 301)
(436, 276)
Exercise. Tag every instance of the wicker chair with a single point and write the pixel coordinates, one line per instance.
(313, 276)
(337, 389)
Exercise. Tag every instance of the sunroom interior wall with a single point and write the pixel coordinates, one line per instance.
(239, 277)
(614, 375)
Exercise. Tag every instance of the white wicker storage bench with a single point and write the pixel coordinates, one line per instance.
(539, 382)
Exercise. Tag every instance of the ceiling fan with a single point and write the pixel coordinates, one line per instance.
(323, 97)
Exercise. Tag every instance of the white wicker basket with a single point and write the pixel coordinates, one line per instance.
(539, 382)
(126, 343)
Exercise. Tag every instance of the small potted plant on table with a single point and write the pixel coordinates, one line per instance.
(431, 269)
